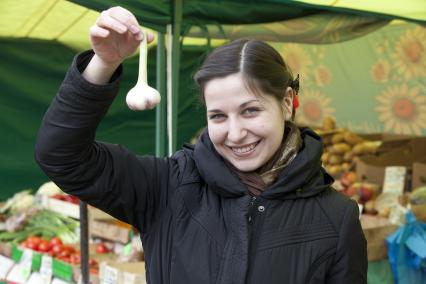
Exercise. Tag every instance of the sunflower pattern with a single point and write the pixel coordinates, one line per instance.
(322, 76)
(313, 108)
(380, 71)
(402, 110)
(298, 59)
(382, 90)
(410, 53)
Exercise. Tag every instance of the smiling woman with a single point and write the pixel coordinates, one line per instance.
(248, 203)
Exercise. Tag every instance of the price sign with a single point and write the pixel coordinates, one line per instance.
(46, 268)
(6, 264)
(110, 275)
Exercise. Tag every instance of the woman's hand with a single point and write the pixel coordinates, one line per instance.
(116, 35)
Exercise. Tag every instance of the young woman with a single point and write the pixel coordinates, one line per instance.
(249, 203)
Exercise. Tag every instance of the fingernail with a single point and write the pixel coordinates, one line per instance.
(134, 29)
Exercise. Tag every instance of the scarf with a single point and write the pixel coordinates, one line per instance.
(257, 181)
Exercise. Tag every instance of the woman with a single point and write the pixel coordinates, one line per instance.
(249, 203)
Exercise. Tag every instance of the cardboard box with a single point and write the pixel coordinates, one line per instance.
(122, 273)
(376, 229)
(419, 174)
(400, 152)
(111, 230)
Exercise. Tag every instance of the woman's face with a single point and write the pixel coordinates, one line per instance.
(245, 129)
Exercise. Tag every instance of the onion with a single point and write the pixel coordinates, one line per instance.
(142, 96)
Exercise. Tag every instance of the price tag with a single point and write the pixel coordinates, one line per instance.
(394, 180)
(22, 270)
(59, 281)
(18, 274)
(6, 264)
(36, 278)
(110, 275)
(46, 268)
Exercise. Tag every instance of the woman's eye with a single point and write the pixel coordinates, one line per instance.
(251, 111)
(216, 116)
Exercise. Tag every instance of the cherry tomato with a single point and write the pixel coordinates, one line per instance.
(44, 246)
(55, 241)
(102, 248)
(57, 249)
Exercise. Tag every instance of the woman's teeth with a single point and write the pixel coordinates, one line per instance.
(242, 150)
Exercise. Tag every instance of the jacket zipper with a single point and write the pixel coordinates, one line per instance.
(251, 236)
(250, 210)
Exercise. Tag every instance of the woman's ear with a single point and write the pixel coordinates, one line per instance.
(287, 103)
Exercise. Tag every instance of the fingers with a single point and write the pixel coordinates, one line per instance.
(119, 20)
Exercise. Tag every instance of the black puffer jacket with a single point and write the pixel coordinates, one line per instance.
(198, 224)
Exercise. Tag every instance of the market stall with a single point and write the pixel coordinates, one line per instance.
(325, 61)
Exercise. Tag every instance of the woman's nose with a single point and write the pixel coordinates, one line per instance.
(236, 132)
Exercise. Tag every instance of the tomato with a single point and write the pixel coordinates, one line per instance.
(55, 241)
(64, 253)
(56, 249)
(75, 259)
(102, 248)
(33, 239)
(44, 246)
(32, 246)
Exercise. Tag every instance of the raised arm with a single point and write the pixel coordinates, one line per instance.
(129, 187)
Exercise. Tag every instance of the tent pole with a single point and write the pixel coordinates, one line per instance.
(177, 22)
(160, 118)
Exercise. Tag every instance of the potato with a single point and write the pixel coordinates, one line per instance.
(334, 170)
(335, 159)
(348, 156)
(351, 138)
(368, 147)
(328, 123)
(337, 138)
(346, 167)
(340, 148)
(325, 157)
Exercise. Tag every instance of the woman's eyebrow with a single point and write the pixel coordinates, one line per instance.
(241, 106)
(248, 102)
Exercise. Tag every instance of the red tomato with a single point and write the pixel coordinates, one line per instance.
(35, 240)
(44, 246)
(57, 249)
(102, 248)
(55, 241)
(75, 259)
(32, 246)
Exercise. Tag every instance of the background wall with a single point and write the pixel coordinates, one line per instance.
(376, 83)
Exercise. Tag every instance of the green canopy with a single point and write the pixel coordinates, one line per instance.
(39, 38)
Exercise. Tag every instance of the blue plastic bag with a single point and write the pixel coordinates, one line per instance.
(407, 252)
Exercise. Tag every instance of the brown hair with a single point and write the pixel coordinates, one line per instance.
(262, 67)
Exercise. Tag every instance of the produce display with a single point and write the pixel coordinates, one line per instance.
(26, 225)
(342, 148)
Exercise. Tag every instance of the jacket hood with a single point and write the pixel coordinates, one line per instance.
(303, 177)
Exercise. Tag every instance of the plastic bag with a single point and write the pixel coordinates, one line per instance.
(407, 252)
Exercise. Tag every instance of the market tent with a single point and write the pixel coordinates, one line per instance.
(61, 28)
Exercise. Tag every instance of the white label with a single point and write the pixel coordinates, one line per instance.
(394, 180)
(46, 268)
(27, 257)
(19, 274)
(131, 278)
(59, 281)
(110, 275)
(36, 278)
(6, 264)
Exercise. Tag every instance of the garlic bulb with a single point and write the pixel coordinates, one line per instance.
(142, 96)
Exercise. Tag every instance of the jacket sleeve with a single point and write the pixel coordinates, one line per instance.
(350, 262)
(131, 188)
